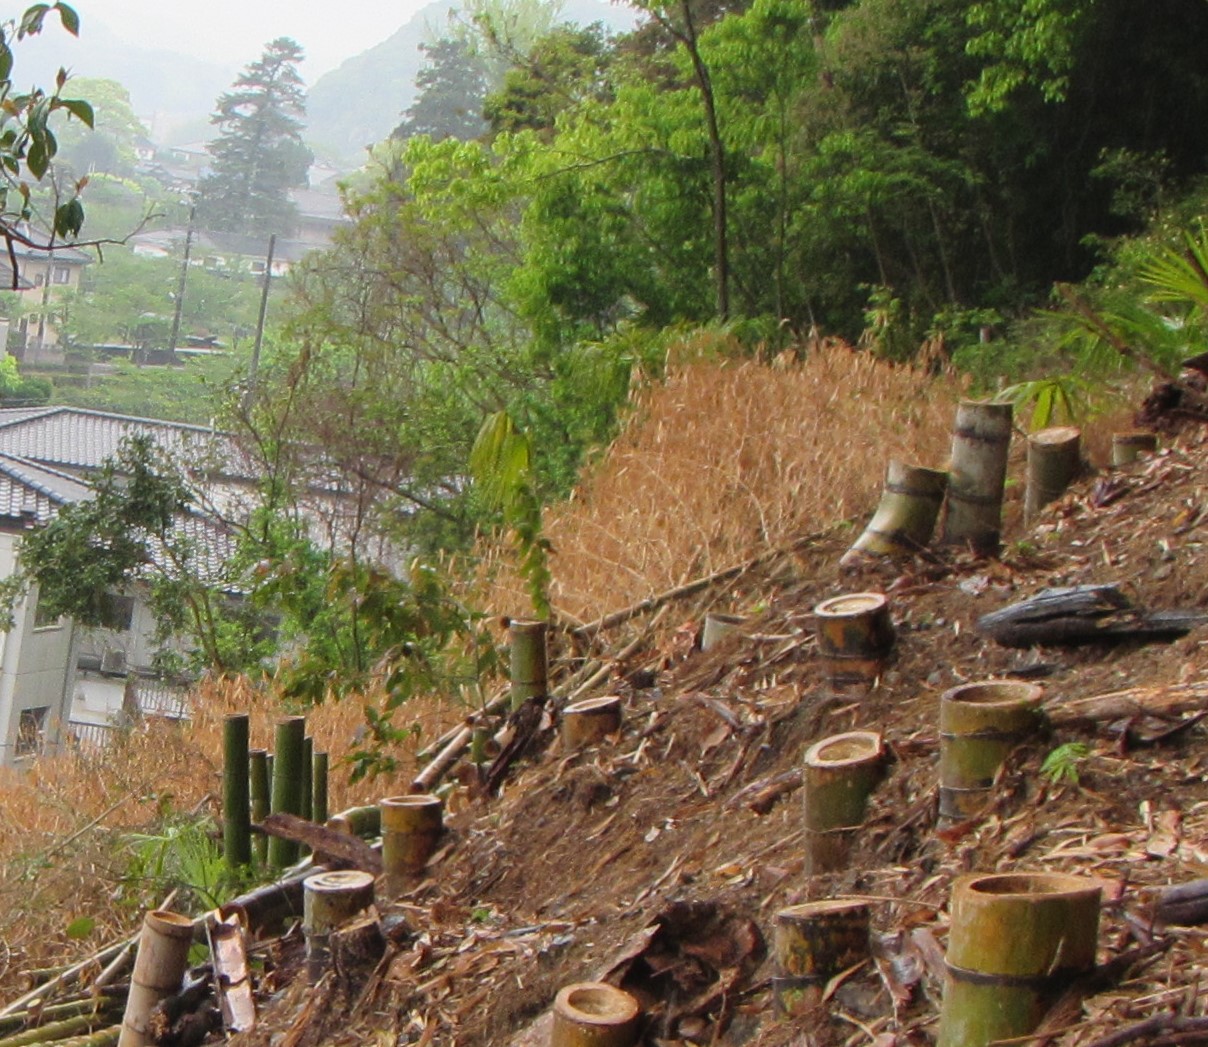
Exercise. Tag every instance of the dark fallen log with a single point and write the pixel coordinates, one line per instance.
(336, 847)
(1184, 904)
(1083, 614)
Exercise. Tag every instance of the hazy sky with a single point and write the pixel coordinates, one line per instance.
(235, 31)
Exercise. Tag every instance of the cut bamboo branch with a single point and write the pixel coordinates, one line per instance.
(258, 785)
(980, 441)
(411, 828)
(980, 723)
(718, 628)
(56, 1031)
(1054, 460)
(90, 1007)
(530, 667)
(358, 821)
(329, 899)
(855, 637)
(840, 774)
(905, 519)
(1128, 447)
(590, 721)
(236, 798)
(594, 1014)
(287, 785)
(163, 956)
(101, 1038)
(70, 974)
(812, 943)
(1017, 941)
(430, 776)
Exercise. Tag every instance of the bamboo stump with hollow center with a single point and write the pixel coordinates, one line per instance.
(1130, 446)
(1017, 941)
(905, 518)
(718, 628)
(529, 666)
(813, 942)
(328, 900)
(840, 774)
(159, 968)
(1054, 459)
(855, 638)
(411, 829)
(594, 1014)
(980, 724)
(980, 441)
(590, 721)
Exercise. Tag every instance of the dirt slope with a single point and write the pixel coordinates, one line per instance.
(643, 860)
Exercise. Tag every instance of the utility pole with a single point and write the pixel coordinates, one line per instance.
(180, 288)
(268, 279)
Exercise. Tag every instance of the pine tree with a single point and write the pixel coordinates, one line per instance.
(452, 87)
(259, 154)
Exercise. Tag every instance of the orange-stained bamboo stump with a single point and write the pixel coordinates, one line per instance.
(590, 721)
(594, 1014)
(812, 943)
(1017, 940)
(980, 724)
(159, 968)
(855, 638)
(411, 829)
(840, 774)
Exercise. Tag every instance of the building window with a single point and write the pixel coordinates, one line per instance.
(117, 612)
(30, 729)
(61, 274)
(258, 267)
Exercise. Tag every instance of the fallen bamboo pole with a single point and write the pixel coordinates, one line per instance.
(90, 1006)
(68, 975)
(101, 1038)
(54, 1031)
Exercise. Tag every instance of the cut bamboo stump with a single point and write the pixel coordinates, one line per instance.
(530, 672)
(980, 441)
(258, 784)
(1054, 460)
(980, 723)
(288, 780)
(905, 518)
(1017, 941)
(590, 721)
(855, 637)
(812, 943)
(840, 774)
(236, 797)
(718, 628)
(1130, 446)
(411, 829)
(163, 956)
(594, 1014)
(328, 900)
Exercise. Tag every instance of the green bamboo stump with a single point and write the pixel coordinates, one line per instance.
(840, 774)
(411, 829)
(980, 724)
(1017, 941)
(812, 943)
(529, 665)
(905, 518)
(855, 637)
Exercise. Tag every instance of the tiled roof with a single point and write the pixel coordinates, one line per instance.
(27, 487)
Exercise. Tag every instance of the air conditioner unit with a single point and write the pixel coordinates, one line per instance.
(114, 662)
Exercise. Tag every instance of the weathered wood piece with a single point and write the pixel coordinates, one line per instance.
(1171, 700)
(334, 845)
(330, 898)
(232, 978)
(1184, 904)
(905, 518)
(590, 721)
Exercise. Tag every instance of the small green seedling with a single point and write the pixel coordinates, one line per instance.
(1061, 765)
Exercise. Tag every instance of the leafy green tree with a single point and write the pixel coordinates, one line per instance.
(108, 147)
(259, 154)
(452, 87)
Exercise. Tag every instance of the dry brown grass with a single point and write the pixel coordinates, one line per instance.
(726, 459)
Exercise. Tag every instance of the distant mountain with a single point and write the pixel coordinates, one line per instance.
(362, 101)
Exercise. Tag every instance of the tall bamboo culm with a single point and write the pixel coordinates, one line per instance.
(318, 788)
(530, 671)
(288, 779)
(261, 799)
(978, 475)
(236, 796)
(1054, 460)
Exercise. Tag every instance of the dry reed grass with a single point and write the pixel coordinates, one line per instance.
(728, 458)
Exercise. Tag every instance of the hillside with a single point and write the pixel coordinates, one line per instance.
(659, 859)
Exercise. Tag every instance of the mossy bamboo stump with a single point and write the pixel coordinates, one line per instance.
(905, 518)
(358, 821)
(980, 723)
(287, 785)
(530, 670)
(163, 956)
(840, 774)
(236, 796)
(1130, 446)
(1054, 460)
(411, 829)
(318, 788)
(594, 1014)
(812, 943)
(1017, 940)
(855, 637)
(590, 721)
(980, 441)
(328, 900)
(718, 628)
(258, 782)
